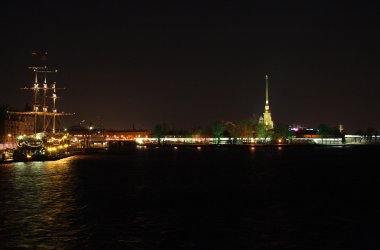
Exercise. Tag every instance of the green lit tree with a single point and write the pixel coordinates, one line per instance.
(261, 131)
(282, 132)
(218, 129)
(160, 130)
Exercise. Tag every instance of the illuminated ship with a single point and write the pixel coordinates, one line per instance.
(45, 143)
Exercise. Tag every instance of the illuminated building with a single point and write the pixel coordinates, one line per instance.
(266, 119)
(126, 135)
(16, 125)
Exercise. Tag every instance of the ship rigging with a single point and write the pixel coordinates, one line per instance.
(47, 142)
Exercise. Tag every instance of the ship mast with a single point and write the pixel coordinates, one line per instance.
(54, 106)
(36, 110)
(35, 89)
(45, 89)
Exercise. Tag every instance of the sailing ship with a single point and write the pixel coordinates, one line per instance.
(46, 143)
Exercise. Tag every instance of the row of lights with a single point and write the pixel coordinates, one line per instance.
(199, 148)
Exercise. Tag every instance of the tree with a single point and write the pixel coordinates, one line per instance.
(282, 132)
(232, 131)
(245, 129)
(361, 133)
(218, 129)
(376, 134)
(261, 131)
(325, 130)
(369, 133)
(160, 130)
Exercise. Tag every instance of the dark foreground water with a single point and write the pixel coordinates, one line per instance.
(213, 198)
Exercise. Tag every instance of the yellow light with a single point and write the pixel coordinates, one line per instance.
(252, 148)
(28, 156)
(51, 148)
(199, 148)
(9, 135)
(279, 140)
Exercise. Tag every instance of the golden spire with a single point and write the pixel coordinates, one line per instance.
(267, 95)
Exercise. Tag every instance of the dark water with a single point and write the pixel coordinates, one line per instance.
(213, 198)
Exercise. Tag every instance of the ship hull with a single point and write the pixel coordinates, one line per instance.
(42, 147)
(23, 155)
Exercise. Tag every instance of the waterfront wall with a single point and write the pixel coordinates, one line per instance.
(348, 139)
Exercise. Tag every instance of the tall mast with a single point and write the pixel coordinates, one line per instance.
(36, 89)
(45, 89)
(35, 105)
(54, 107)
(44, 113)
(44, 108)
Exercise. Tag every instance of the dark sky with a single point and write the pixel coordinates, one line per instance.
(194, 63)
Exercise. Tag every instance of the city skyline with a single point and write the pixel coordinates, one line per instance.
(143, 64)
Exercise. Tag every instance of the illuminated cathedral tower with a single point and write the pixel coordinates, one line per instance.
(266, 119)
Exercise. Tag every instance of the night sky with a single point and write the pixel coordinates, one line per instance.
(195, 63)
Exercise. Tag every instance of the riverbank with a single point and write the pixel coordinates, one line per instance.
(253, 145)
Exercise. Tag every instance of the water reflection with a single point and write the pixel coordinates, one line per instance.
(41, 203)
(215, 198)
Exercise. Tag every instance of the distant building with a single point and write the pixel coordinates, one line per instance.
(303, 132)
(16, 125)
(266, 119)
(126, 135)
(90, 137)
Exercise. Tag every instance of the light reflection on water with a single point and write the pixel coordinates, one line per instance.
(39, 203)
(213, 198)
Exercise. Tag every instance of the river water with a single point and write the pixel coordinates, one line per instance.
(189, 198)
